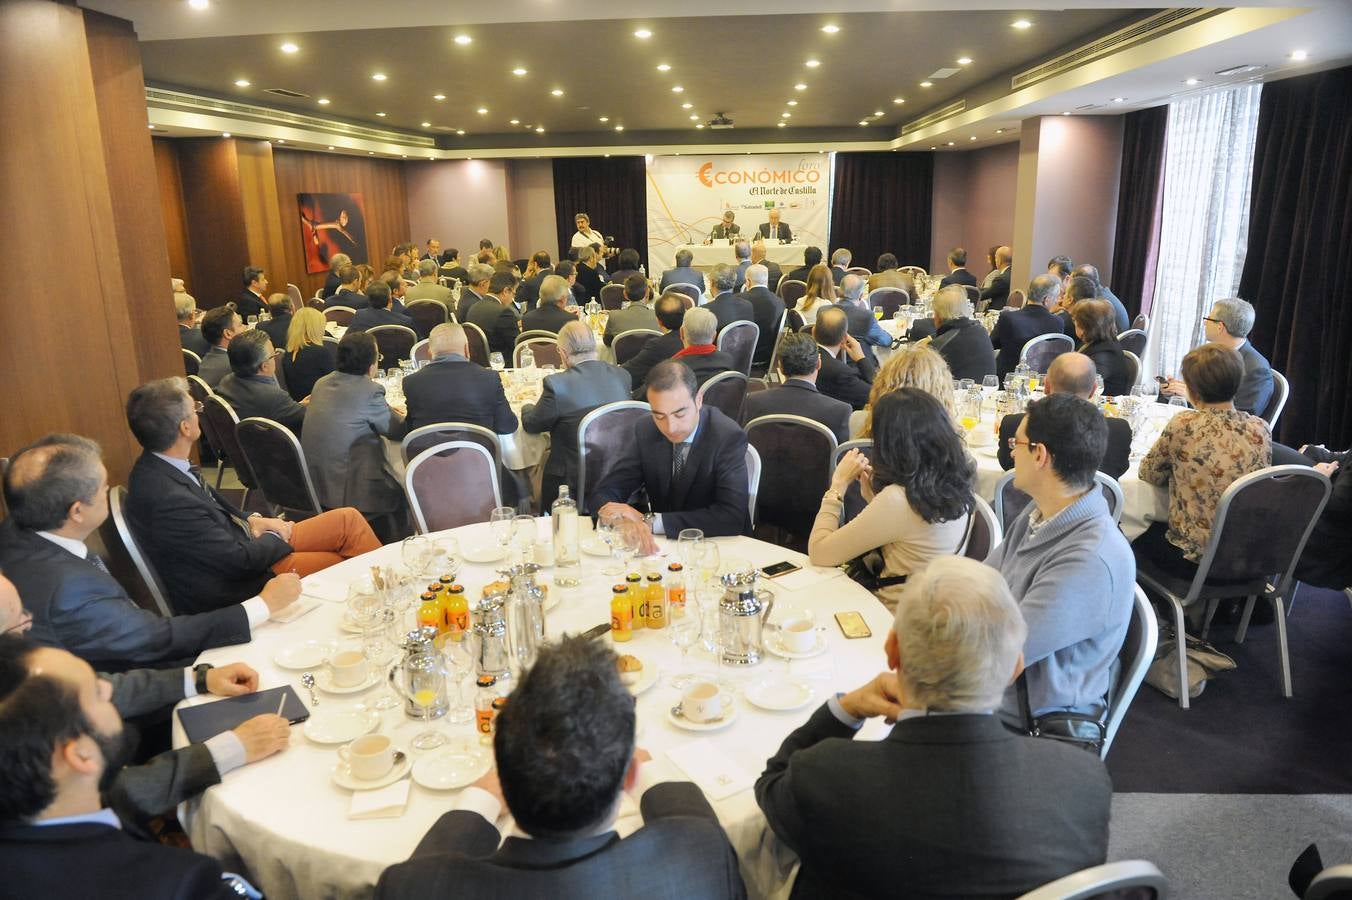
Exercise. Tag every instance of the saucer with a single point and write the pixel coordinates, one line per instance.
(451, 768)
(778, 694)
(343, 777)
(729, 716)
(324, 681)
(328, 725)
(346, 624)
(483, 553)
(775, 644)
(595, 547)
(647, 678)
(306, 655)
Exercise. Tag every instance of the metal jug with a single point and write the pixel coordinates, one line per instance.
(420, 654)
(742, 614)
(525, 614)
(492, 654)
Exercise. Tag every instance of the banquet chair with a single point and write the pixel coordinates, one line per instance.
(1039, 352)
(1130, 879)
(627, 344)
(340, 315)
(985, 533)
(1010, 501)
(1133, 340)
(1281, 389)
(796, 454)
(223, 421)
(450, 484)
(426, 315)
(726, 392)
(604, 437)
(1333, 883)
(1112, 493)
(1128, 670)
(120, 542)
(315, 303)
(1142, 322)
(534, 333)
(319, 295)
(478, 343)
(690, 291)
(276, 458)
(1261, 525)
(753, 471)
(792, 290)
(973, 294)
(545, 350)
(1133, 366)
(768, 366)
(1015, 300)
(913, 271)
(191, 362)
(860, 271)
(852, 504)
(292, 291)
(422, 351)
(394, 342)
(419, 439)
(612, 296)
(890, 299)
(199, 390)
(739, 340)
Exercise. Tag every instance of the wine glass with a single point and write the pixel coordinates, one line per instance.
(878, 313)
(1098, 385)
(1150, 389)
(684, 632)
(253, 321)
(500, 520)
(607, 529)
(425, 683)
(496, 362)
(523, 536)
(459, 653)
(990, 384)
(627, 542)
(379, 652)
(704, 557)
(685, 543)
(450, 553)
(362, 603)
(416, 552)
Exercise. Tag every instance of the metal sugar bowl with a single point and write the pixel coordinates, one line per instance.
(742, 614)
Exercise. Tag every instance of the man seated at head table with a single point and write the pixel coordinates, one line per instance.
(726, 229)
(206, 551)
(452, 388)
(775, 230)
(950, 803)
(565, 753)
(251, 388)
(689, 460)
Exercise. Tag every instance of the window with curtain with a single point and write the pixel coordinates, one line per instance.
(1204, 217)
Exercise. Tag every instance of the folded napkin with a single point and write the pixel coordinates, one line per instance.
(328, 591)
(807, 577)
(717, 776)
(295, 610)
(382, 803)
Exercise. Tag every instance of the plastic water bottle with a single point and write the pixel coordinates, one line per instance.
(567, 557)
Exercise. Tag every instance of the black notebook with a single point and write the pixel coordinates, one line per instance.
(203, 722)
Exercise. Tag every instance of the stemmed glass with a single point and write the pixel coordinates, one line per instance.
(523, 536)
(684, 632)
(500, 520)
(704, 557)
(685, 544)
(627, 542)
(496, 362)
(449, 548)
(459, 653)
(417, 553)
(990, 384)
(425, 684)
(608, 529)
(363, 603)
(378, 646)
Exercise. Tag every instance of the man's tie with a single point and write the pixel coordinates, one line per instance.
(196, 474)
(679, 454)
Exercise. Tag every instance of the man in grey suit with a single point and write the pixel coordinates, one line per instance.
(799, 363)
(767, 308)
(775, 229)
(727, 306)
(684, 273)
(901, 816)
(585, 384)
(475, 289)
(251, 388)
(428, 288)
(219, 326)
(565, 750)
(1228, 324)
(637, 312)
(741, 251)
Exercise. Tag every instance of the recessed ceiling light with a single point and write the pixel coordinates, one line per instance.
(438, 96)
(330, 146)
(370, 153)
(999, 131)
(781, 124)
(934, 148)
(152, 127)
(800, 86)
(812, 63)
(792, 103)
(663, 67)
(863, 121)
(242, 82)
(1191, 82)
(225, 134)
(323, 101)
(830, 29)
(540, 130)
(687, 105)
(700, 125)
(643, 34)
(694, 118)
(619, 128)
(1299, 55)
(1065, 113)
(1119, 99)
(289, 47)
(964, 60)
(515, 122)
(378, 76)
(460, 131)
(463, 39)
(676, 89)
(898, 100)
(926, 84)
(199, 4)
(483, 110)
(380, 114)
(972, 138)
(785, 115)
(518, 71)
(427, 124)
(877, 112)
(1021, 24)
(604, 119)
(281, 140)
(950, 143)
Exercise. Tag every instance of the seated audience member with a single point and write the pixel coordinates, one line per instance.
(990, 275)
(428, 288)
(552, 296)
(566, 397)
(567, 270)
(347, 418)
(365, 275)
(308, 356)
(1077, 288)
(962, 341)
(741, 251)
(349, 291)
(886, 275)
(860, 322)
(1098, 340)
(451, 268)
(840, 263)
(910, 366)
(1228, 324)
(689, 458)
(1325, 561)
(57, 494)
(537, 270)
(590, 274)
(996, 291)
(189, 332)
(767, 311)
(637, 312)
(1017, 327)
(683, 273)
(1199, 454)
(331, 281)
(219, 326)
(772, 271)
(799, 363)
(1067, 562)
(727, 306)
(670, 312)
(821, 293)
(1073, 373)
(846, 371)
(251, 388)
(252, 300)
(564, 747)
(698, 330)
(451, 388)
(1060, 266)
(918, 489)
(627, 264)
(398, 287)
(280, 311)
(953, 804)
(496, 315)
(61, 741)
(208, 553)
(378, 311)
(1120, 317)
(812, 257)
(476, 289)
(957, 269)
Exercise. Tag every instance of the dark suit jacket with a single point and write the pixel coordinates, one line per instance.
(619, 276)
(567, 397)
(260, 395)
(1255, 390)
(311, 364)
(453, 389)
(500, 324)
(546, 318)
(796, 397)
(467, 300)
(845, 380)
(215, 366)
(774, 273)
(998, 292)
(959, 276)
(276, 328)
(1119, 311)
(655, 351)
(785, 232)
(348, 416)
(247, 303)
(331, 284)
(799, 274)
(728, 307)
(1111, 364)
(591, 280)
(766, 309)
(1325, 561)
(706, 365)
(712, 494)
(859, 322)
(966, 347)
(920, 329)
(838, 275)
(944, 806)
(680, 852)
(1116, 458)
(721, 232)
(369, 318)
(191, 339)
(528, 293)
(682, 275)
(456, 271)
(344, 297)
(632, 316)
(205, 560)
(1017, 327)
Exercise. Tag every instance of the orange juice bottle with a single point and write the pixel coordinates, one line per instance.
(639, 597)
(621, 613)
(457, 612)
(430, 613)
(485, 707)
(657, 602)
(675, 591)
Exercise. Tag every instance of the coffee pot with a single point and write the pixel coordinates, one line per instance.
(420, 654)
(492, 655)
(742, 614)
(525, 616)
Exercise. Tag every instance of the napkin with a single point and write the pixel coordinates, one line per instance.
(717, 776)
(807, 577)
(382, 803)
(328, 591)
(295, 610)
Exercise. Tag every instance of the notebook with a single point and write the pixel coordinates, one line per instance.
(206, 720)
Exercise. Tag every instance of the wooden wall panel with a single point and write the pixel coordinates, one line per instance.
(172, 211)
(211, 197)
(384, 193)
(263, 228)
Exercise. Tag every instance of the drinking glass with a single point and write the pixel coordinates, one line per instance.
(500, 520)
(684, 632)
(1178, 401)
(253, 321)
(705, 559)
(685, 544)
(627, 542)
(362, 603)
(496, 362)
(424, 684)
(416, 552)
(878, 313)
(966, 385)
(460, 655)
(450, 554)
(1098, 385)
(990, 384)
(523, 536)
(1150, 389)
(607, 527)
(379, 650)
(527, 359)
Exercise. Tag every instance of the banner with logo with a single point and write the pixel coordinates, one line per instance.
(688, 194)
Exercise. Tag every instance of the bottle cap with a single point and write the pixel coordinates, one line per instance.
(487, 680)
(620, 588)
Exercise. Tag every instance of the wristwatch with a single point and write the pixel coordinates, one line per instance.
(199, 672)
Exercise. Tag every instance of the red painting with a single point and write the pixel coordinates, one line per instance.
(332, 224)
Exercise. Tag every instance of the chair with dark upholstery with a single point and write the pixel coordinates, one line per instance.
(913, 271)
(796, 454)
(792, 290)
(426, 315)
(422, 351)
(1142, 321)
(142, 582)
(604, 436)
(690, 291)
(753, 470)
(1332, 883)
(612, 296)
(536, 333)
(973, 294)
(292, 291)
(340, 315)
(199, 390)
(478, 343)
(627, 344)
(1133, 661)
(395, 343)
(1133, 340)
(451, 484)
(1009, 501)
(191, 362)
(738, 340)
(860, 271)
(419, 439)
(1015, 301)
(1039, 352)
(276, 458)
(1281, 389)
(545, 350)
(726, 392)
(985, 533)
(853, 502)
(223, 422)
(1132, 879)
(890, 299)
(1133, 366)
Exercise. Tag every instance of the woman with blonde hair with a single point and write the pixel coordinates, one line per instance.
(909, 366)
(500, 254)
(308, 358)
(821, 292)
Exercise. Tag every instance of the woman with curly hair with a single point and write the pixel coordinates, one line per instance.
(909, 366)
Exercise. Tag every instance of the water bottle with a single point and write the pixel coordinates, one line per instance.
(643, 270)
(567, 559)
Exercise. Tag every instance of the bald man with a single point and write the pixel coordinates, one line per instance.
(451, 388)
(998, 293)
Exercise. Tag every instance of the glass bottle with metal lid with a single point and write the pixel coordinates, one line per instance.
(742, 614)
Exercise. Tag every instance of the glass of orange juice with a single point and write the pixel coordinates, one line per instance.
(425, 684)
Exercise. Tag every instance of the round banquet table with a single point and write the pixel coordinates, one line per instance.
(285, 823)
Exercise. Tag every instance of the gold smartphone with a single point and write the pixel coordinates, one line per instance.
(852, 625)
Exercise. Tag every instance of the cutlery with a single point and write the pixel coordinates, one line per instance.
(308, 682)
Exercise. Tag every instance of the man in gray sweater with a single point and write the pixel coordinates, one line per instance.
(1065, 561)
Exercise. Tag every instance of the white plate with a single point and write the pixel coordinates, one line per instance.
(729, 716)
(595, 547)
(307, 655)
(483, 553)
(324, 681)
(342, 776)
(775, 644)
(328, 725)
(451, 768)
(346, 624)
(779, 694)
(647, 677)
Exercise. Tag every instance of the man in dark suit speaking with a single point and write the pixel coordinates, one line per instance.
(898, 817)
(726, 229)
(775, 230)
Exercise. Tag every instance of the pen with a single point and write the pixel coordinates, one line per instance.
(282, 705)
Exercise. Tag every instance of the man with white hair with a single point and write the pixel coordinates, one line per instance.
(549, 313)
(428, 288)
(961, 340)
(585, 383)
(863, 327)
(451, 388)
(950, 803)
(767, 309)
(1228, 324)
(728, 307)
(1017, 327)
(698, 330)
(840, 264)
(476, 289)
(772, 267)
(332, 282)
(189, 332)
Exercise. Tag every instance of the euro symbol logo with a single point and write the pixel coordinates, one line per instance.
(704, 174)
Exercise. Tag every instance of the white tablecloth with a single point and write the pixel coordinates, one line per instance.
(284, 823)
(709, 255)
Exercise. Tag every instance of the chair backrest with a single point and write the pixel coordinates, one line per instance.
(120, 540)
(1039, 352)
(225, 441)
(1281, 389)
(890, 299)
(612, 296)
(1133, 340)
(534, 333)
(973, 293)
(860, 271)
(796, 454)
(198, 389)
(451, 484)
(690, 291)
(1333, 883)
(419, 439)
(726, 391)
(792, 290)
(1112, 494)
(1142, 321)
(853, 503)
(1131, 879)
(277, 460)
(753, 472)
(395, 343)
(293, 292)
(739, 340)
(545, 350)
(1015, 300)
(912, 271)
(319, 294)
(627, 344)
(340, 315)
(478, 343)
(1009, 501)
(985, 534)
(422, 351)
(426, 315)
(1133, 367)
(192, 363)
(1133, 659)
(604, 436)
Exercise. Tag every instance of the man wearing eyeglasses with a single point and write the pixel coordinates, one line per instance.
(1228, 324)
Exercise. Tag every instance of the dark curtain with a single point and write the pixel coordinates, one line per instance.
(1298, 269)
(613, 192)
(881, 204)
(1139, 195)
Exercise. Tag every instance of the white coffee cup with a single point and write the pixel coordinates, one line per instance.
(799, 634)
(348, 667)
(369, 757)
(703, 702)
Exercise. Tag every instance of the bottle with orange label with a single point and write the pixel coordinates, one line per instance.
(621, 613)
(657, 601)
(675, 591)
(639, 597)
(486, 707)
(457, 612)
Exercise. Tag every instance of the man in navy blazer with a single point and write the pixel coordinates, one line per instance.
(1016, 327)
(767, 309)
(726, 306)
(378, 312)
(549, 313)
(684, 273)
(846, 371)
(957, 269)
(253, 299)
(670, 312)
(799, 362)
(1228, 323)
(347, 293)
(452, 388)
(997, 295)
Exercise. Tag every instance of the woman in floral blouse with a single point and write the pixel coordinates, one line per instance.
(1200, 453)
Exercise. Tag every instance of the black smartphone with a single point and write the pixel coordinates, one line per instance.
(779, 568)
